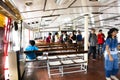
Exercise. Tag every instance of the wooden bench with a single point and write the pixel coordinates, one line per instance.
(50, 47)
(55, 49)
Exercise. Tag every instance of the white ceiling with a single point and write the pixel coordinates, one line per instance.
(37, 5)
(50, 14)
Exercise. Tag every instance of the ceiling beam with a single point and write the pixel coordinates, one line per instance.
(66, 8)
(110, 18)
(45, 5)
(8, 10)
(42, 16)
(72, 3)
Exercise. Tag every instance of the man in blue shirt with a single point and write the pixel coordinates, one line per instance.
(111, 56)
(79, 40)
(79, 36)
(31, 55)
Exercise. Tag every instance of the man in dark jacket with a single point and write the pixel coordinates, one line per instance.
(92, 44)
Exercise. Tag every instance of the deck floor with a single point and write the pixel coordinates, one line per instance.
(95, 72)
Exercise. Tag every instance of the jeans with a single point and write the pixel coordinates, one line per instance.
(111, 67)
(100, 49)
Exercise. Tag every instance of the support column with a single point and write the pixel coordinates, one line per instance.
(59, 29)
(86, 38)
(86, 32)
(74, 26)
(85, 12)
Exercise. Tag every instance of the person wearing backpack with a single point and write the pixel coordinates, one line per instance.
(111, 55)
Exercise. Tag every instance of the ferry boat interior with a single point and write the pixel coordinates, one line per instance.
(49, 26)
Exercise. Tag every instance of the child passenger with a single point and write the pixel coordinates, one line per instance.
(31, 47)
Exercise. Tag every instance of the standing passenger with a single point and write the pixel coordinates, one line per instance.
(73, 37)
(65, 38)
(61, 37)
(69, 38)
(100, 38)
(111, 55)
(56, 37)
(79, 37)
(79, 40)
(48, 39)
(92, 44)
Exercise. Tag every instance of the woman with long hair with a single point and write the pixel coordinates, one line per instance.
(111, 57)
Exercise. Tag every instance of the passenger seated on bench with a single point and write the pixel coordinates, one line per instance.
(31, 47)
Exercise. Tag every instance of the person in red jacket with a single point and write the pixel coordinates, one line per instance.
(48, 39)
(100, 39)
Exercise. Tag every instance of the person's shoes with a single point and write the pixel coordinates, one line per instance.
(108, 78)
(114, 78)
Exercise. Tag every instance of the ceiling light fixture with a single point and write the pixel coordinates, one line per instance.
(97, 12)
(50, 16)
(28, 2)
(93, 0)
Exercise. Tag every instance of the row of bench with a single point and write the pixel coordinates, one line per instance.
(64, 63)
(62, 60)
(50, 46)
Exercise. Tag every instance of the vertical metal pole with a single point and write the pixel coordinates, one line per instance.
(21, 36)
(19, 53)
